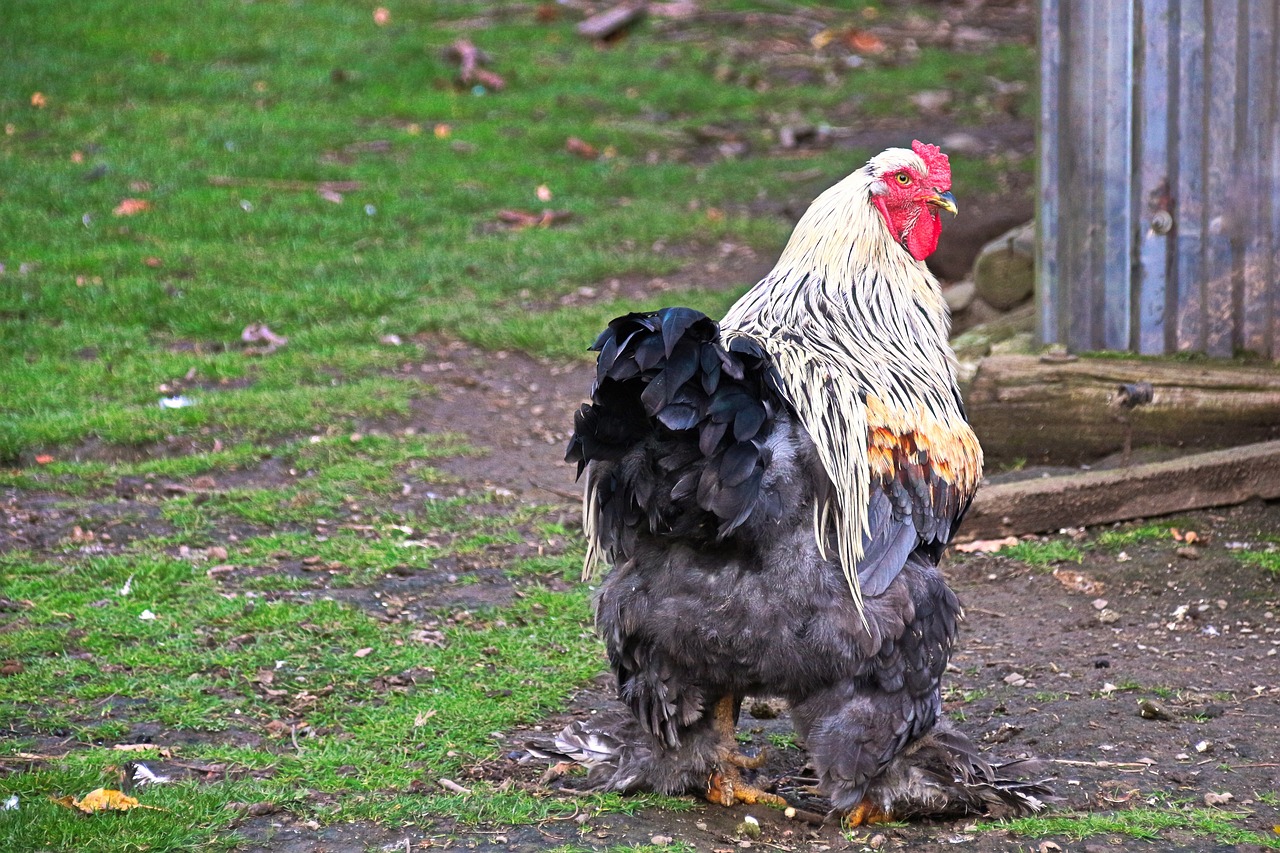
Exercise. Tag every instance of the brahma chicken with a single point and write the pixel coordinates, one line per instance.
(773, 495)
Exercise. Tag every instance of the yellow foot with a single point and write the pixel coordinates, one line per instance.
(726, 788)
(865, 813)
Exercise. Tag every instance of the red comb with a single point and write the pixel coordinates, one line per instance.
(935, 161)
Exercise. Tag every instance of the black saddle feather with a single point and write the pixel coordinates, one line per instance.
(665, 379)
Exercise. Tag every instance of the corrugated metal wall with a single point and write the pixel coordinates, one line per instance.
(1159, 208)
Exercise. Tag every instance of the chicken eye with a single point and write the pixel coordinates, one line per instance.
(904, 178)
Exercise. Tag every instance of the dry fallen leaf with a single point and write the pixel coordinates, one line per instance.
(260, 333)
(38, 100)
(360, 653)
(1078, 581)
(44, 459)
(162, 751)
(986, 546)
(131, 207)
(585, 150)
(1215, 799)
(103, 799)
(862, 41)
(821, 39)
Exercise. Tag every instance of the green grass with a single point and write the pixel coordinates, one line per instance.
(1043, 553)
(1267, 560)
(1148, 824)
(240, 665)
(222, 116)
(1123, 537)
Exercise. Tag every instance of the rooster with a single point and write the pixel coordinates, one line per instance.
(773, 494)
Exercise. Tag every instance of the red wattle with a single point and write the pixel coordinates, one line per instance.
(923, 238)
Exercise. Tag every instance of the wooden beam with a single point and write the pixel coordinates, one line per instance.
(1217, 478)
(1066, 412)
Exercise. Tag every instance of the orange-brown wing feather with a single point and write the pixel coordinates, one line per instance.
(923, 475)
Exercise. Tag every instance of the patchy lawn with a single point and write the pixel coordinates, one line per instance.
(323, 575)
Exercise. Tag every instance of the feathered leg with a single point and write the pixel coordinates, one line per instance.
(726, 787)
(854, 729)
(852, 733)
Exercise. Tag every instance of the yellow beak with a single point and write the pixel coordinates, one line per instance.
(946, 201)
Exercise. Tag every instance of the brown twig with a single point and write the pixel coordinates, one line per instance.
(450, 785)
(469, 59)
(809, 817)
(558, 492)
(1072, 763)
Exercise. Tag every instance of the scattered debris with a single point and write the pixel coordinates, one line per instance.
(986, 546)
(131, 207)
(470, 59)
(450, 785)
(103, 799)
(1077, 581)
(1004, 734)
(521, 219)
(577, 147)
(1107, 616)
(260, 333)
(178, 402)
(1150, 709)
(138, 775)
(612, 23)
